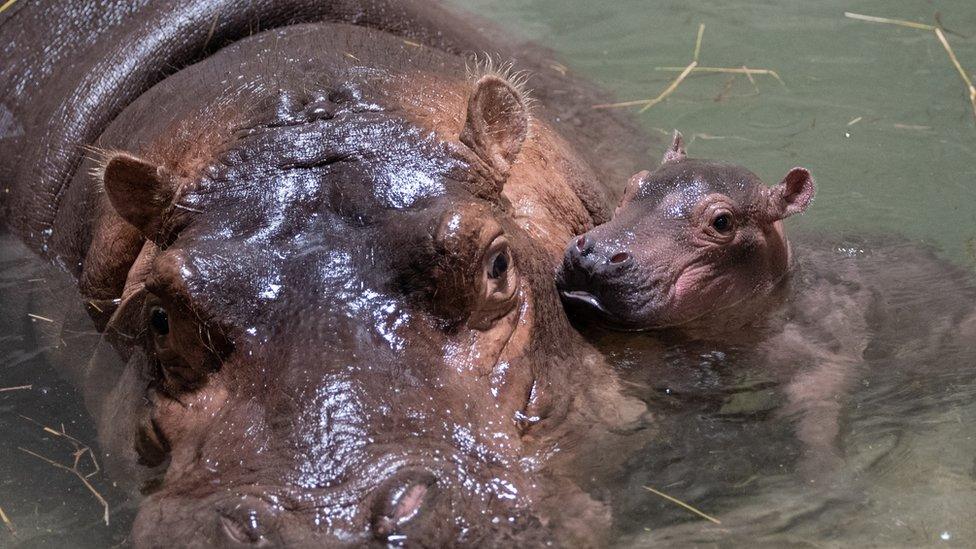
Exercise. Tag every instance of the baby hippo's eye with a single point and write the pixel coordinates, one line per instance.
(159, 321)
(499, 265)
(722, 222)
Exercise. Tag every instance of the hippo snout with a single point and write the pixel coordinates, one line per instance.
(400, 500)
(589, 267)
(585, 255)
(411, 503)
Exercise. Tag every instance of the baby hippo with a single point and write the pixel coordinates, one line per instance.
(697, 252)
(689, 244)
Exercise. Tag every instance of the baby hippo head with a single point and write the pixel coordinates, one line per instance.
(691, 243)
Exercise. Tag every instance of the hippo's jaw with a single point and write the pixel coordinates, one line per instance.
(585, 298)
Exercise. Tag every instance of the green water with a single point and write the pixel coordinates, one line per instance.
(906, 166)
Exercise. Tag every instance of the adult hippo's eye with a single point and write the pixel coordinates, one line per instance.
(499, 265)
(475, 272)
(159, 321)
(499, 284)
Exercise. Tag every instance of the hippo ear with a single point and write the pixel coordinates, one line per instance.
(633, 187)
(792, 195)
(140, 191)
(676, 151)
(497, 122)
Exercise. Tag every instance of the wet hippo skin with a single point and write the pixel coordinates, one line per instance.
(320, 260)
(70, 67)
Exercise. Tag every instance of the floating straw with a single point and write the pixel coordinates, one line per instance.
(684, 72)
(683, 504)
(939, 34)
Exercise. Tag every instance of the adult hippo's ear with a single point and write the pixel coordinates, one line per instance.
(792, 195)
(137, 194)
(676, 151)
(496, 124)
(140, 191)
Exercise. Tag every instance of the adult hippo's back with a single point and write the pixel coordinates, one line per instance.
(320, 260)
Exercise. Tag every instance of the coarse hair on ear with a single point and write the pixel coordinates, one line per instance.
(792, 195)
(485, 65)
(497, 121)
(139, 191)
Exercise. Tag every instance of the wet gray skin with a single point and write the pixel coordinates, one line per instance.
(328, 276)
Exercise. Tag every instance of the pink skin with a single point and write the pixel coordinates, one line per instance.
(700, 289)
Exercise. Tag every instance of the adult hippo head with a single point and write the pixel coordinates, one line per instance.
(335, 254)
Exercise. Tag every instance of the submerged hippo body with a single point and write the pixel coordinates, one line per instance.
(697, 255)
(320, 261)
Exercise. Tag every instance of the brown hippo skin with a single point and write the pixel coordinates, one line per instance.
(320, 259)
(697, 254)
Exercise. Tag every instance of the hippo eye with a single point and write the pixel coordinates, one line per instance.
(722, 222)
(159, 320)
(499, 265)
(498, 285)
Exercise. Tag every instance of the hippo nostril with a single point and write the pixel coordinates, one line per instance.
(400, 502)
(619, 257)
(248, 520)
(583, 245)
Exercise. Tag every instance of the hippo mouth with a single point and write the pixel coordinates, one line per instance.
(631, 317)
(586, 298)
(592, 304)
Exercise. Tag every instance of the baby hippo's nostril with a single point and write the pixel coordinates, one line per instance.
(619, 257)
(584, 244)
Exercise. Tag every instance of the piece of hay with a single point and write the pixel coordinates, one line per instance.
(684, 72)
(683, 504)
(939, 34)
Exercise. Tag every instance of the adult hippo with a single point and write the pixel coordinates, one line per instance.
(320, 261)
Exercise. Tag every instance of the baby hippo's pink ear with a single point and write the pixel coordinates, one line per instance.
(792, 195)
(633, 187)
